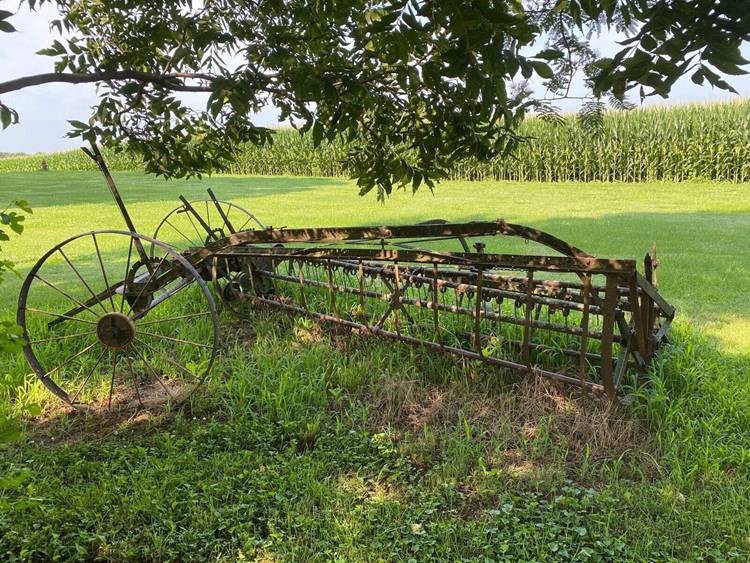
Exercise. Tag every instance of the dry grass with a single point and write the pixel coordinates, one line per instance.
(534, 412)
(62, 424)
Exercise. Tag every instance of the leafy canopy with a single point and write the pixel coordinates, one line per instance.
(412, 85)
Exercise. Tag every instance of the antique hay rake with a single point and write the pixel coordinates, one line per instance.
(99, 332)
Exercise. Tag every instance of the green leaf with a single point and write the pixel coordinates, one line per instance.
(17, 226)
(318, 133)
(526, 68)
(716, 80)
(6, 117)
(6, 27)
(23, 205)
(416, 181)
(130, 88)
(648, 42)
(33, 409)
(57, 48)
(549, 54)
(78, 124)
(9, 433)
(542, 69)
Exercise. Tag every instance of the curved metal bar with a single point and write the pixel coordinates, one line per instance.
(182, 209)
(505, 261)
(458, 230)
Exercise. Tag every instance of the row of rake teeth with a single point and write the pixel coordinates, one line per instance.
(555, 295)
(378, 283)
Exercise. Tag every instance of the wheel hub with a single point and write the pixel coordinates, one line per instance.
(115, 330)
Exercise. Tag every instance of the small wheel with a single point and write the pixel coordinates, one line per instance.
(183, 229)
(232, 280)
(106, 324)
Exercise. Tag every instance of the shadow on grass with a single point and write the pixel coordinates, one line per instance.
(309, 441)
(76, 188)
(413, 395)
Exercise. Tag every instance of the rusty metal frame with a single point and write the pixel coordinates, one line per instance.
(634, 317)
(626, 293)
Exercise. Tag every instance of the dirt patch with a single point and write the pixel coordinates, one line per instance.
(524, 426)
(63, 424)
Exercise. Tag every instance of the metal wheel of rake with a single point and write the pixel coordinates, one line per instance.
(108, 325)
(198, 223)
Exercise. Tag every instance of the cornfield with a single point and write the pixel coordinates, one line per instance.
(706, 141)
(67, 161)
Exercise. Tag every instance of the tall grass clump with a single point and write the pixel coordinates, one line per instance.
(677, 143)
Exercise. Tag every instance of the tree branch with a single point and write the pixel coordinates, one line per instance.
(170, 81)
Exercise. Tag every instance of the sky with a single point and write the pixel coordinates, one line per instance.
(44, 110)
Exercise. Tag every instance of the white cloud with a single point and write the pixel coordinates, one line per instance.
(43, 110)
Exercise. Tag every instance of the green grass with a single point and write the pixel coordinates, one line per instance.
(306, 446)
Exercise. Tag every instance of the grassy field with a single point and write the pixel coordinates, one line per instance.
(311, 446)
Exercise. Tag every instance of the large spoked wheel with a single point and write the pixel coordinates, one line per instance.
(114, 319)
(203, 223)
(199, 223)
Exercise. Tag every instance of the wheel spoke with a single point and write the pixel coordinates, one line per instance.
(185, 282)
(104, 273)
(83, 281)
(225, 216)
(91, 372)
(170, 360)
(112, 380)
(172, 339)
(63, 337)
(190, 316)
(59, 316)
(156, 376)
(190, 241)
(66, 362)
(125, 277)
(242, 228)
(135, 380)
(197, 232)
(148, 281)
(65, 294)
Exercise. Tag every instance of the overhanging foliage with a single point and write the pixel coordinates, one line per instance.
(413, 86)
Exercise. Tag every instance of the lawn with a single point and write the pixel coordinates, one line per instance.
(312, 446)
